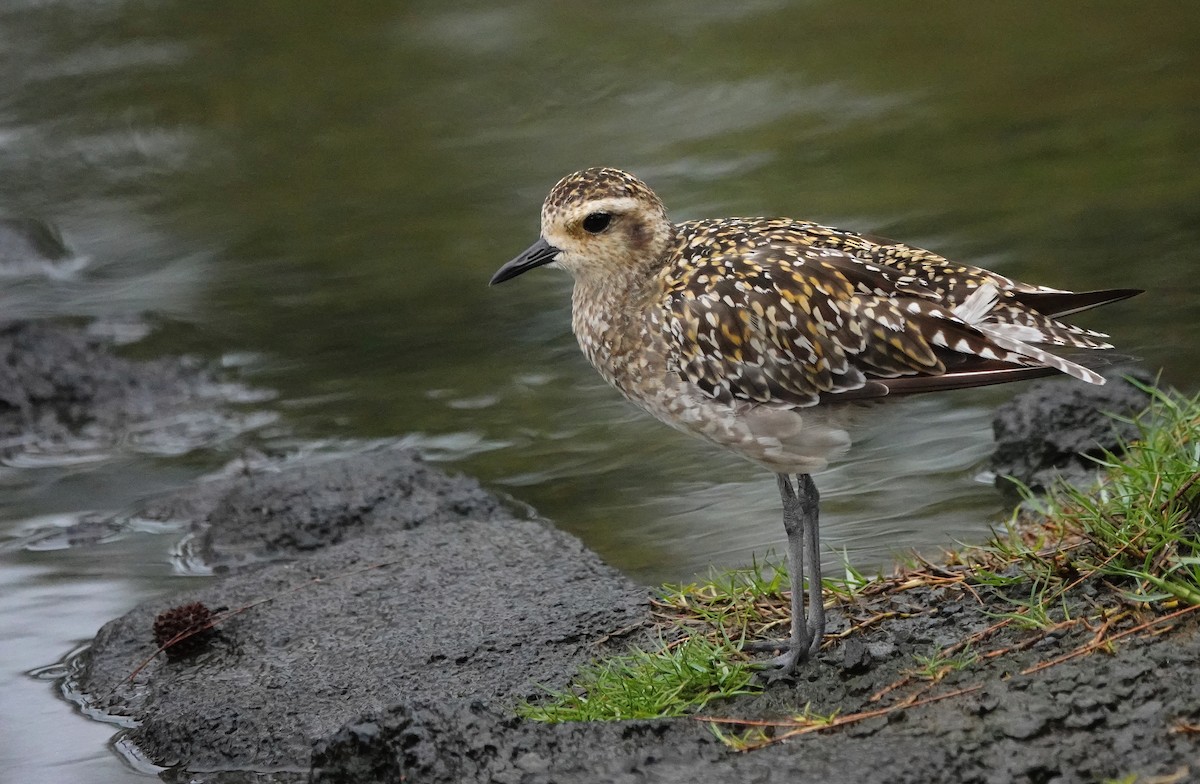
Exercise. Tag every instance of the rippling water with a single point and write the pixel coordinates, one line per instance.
(318, 195)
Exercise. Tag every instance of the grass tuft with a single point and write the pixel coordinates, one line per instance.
(1138, 530)
(705, 624)
(940, 664)
(672, 681)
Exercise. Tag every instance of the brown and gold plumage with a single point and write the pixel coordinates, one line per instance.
(750, 331)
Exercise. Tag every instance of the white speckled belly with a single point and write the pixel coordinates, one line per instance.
(783, 440)
(780, 438)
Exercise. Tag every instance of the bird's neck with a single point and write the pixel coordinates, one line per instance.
(613, 306)
(609, 316)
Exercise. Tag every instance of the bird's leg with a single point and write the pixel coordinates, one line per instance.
(810, 501)
(800, 508)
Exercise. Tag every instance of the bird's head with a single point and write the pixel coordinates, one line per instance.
(597, 223)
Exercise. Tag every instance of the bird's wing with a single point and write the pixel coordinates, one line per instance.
(789, 324)
(1023, 311)
(1020, 311)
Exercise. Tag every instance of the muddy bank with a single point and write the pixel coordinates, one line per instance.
(433, 593)
(1100, 717)
(393, 616)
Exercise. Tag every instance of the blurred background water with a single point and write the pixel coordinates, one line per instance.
(317, 193)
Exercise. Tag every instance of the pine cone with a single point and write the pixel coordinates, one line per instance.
(193, 618)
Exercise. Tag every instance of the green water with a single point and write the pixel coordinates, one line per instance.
(319, 193)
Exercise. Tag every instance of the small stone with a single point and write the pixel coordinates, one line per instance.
(855, 658)
(881, 651)
(1022, 726)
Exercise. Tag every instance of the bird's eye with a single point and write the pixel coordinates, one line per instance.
(596, 222)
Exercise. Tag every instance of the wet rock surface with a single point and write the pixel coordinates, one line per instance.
(62, 389)
(472, 741)
(279, 511)
(444, 609)
(1091, 719)
(1052, 429)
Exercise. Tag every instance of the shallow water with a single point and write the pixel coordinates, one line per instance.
(319, 195)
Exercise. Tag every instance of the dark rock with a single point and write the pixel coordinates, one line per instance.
(1052, 429)
(410, 672)
(279, 510)
(1018, 728)
(462, 609)
(469, 741)
(62, 388)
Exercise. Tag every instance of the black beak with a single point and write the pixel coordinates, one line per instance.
(537, 254)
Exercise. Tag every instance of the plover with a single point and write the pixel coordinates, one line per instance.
(754, 333)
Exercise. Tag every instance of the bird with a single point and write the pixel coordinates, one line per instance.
(757, 334)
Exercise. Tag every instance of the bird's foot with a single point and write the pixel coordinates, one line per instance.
(791, 654)
(783, 664)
